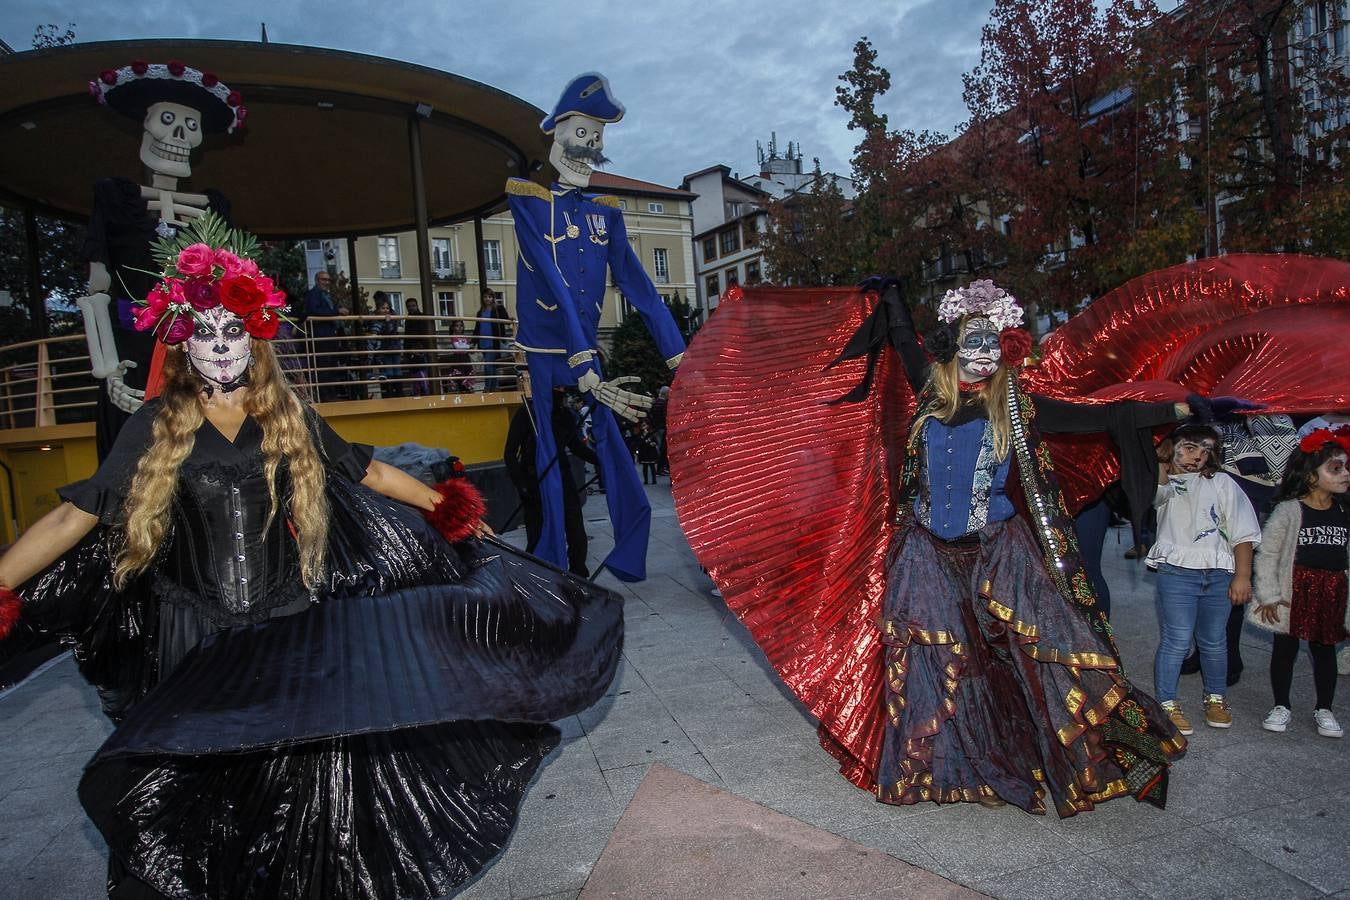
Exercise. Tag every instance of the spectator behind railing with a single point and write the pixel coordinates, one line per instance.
(460, 371)
(385, 346)
(319, 308)
(491, 334)
(419, 332)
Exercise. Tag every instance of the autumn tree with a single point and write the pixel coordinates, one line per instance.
(812, 236)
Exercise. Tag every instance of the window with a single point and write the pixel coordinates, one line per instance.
(730, 241)
(714, 287)
(752, 275)
(389, 264)
(656, 207)
(623, 204)
(733, 276)
(492, 260)
(734, 209)
(709, 248)
(661, 265)
(441, 260)
(445, 304)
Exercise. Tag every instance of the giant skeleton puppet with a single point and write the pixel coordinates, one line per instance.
(570, 242)
(177, 105)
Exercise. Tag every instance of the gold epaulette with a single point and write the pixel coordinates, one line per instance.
(607, 200)
(524, 188)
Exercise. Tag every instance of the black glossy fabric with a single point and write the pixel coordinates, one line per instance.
(372, 741)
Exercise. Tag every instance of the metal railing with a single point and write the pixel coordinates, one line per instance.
(332, 359)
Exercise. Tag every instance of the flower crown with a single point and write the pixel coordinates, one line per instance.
(985, 298)
(1315, 440)
(209, 265)
(171, 72)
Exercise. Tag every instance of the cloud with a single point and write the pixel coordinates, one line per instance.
(702, 83)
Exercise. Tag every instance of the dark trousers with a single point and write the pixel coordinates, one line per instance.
(1282, 670)
(1092, 523)
(649, 469)
(573, 527)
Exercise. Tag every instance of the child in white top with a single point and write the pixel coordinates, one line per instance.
(1207, 530)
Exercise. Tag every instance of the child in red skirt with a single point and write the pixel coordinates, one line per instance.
(1300, 589)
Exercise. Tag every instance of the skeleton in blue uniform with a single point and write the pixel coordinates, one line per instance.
(571, 243)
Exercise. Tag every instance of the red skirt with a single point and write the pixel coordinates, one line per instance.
(1317, 610)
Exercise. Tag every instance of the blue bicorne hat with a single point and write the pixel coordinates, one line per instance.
(588, 95)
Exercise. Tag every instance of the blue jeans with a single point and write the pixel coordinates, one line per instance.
(1192, 603)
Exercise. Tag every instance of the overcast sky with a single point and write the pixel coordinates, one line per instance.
(702, 81)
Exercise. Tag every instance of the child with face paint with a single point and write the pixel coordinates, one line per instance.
(1301, 583)
(1207, 530)
(278, 622)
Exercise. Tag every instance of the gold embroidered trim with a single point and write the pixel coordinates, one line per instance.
(584, 356)
(523, 188)
(674, 360)
(607, 200)
(544, 305)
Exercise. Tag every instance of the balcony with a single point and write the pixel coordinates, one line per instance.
(450, 272)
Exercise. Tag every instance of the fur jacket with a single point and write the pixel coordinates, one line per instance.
(1273, 567)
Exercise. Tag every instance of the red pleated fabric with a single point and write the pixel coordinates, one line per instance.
(785, 498)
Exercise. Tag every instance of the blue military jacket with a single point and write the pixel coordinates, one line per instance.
(570, 242)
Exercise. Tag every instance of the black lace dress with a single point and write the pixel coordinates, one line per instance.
(371, 739)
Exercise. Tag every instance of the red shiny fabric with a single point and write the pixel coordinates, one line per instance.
(785, 499)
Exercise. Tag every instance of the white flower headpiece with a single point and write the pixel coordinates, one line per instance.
(983, 297)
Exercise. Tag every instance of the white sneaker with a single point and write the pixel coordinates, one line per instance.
(1277, 719)
(1327, 726)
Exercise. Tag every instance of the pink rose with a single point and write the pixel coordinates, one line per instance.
(178, 329)
(248, 267)
(202, 294)
(146, 317)
(230, 264)
(195, 259)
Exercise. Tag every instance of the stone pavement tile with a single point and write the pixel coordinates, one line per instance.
(493, 883)
(707, 699)
(970, 841)
(774, 767)
(1198, 863)
(1200, 790)
(1309, 838)
(1123, 820)
(895, 841)
(72, 865)
(1298, 763)
(681, 838)
(623, 782)
(635, 701)
(675, 672)
(642, 744)
(714, 727)
(553, 860)
(573, 755)
(559, 797)
(1074, 876)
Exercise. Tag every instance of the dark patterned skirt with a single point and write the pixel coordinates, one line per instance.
(996, 686)
(1317, 610)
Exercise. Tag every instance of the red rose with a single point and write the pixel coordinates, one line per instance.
(176, 69)
(202, 294)
(263, 324)
(195, 259)
(209, 79)
(140, 66)
(1016, 346)
(234, 99)
(241, 296)
(108, 76)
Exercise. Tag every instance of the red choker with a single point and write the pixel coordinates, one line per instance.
(968, 387)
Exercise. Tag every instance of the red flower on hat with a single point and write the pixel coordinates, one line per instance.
(195, 259)
(1015, 344)
(234, 99)
(176, 69)
(140, 66)
(108, 76)
(241, 296)
(210, 79)
(263, 323)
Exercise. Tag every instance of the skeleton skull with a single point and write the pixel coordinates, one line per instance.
(577, 144)
(219, 348)
(172, 132)
(979, 352)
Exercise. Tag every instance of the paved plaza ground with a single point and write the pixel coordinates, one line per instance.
(1251, 814)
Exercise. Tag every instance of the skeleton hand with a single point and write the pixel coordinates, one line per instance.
(628, 404)
(124, 398)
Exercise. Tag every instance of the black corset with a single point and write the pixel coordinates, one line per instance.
(221, 560)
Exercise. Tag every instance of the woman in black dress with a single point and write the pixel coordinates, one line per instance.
(345, 703)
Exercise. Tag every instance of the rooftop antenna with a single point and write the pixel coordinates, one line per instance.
(264, 32)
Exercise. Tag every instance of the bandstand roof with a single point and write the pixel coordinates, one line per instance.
(325, 151)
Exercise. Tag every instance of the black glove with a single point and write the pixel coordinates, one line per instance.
(1213, 410)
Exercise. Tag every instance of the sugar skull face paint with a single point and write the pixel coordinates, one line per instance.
(978, 353)
(219, 348)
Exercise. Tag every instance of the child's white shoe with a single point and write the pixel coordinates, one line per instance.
(1327, 726)
(1277, 719)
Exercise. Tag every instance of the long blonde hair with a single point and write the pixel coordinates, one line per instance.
(993, 393)
(286, 438)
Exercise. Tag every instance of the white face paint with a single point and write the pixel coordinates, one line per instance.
(172, 132)
(577, 144)
(979, 353)
(220, 348)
